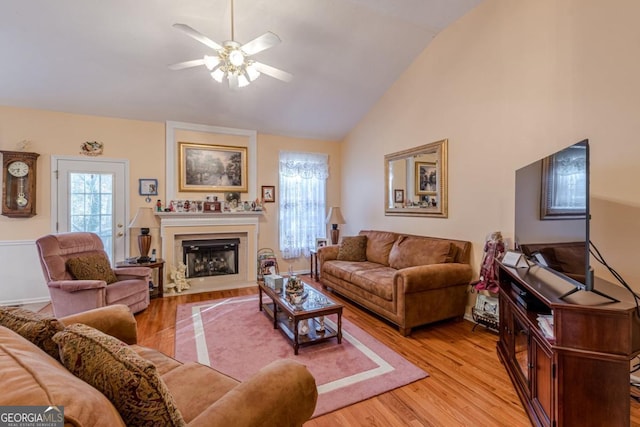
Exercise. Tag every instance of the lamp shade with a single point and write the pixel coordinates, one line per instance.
(335, 216)
(144, 219)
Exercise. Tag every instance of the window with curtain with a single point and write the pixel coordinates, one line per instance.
(303, 178)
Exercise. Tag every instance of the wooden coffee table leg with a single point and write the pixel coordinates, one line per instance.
(340, 327)
(275, 315)
(296, 344)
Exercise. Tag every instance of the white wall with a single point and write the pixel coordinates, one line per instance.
(21, 275)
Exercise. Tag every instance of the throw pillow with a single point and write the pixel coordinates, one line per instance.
(92, 267)
(353, 248)
(411, 251)
(37, 328)
(130, 382)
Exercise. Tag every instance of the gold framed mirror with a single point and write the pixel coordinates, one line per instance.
(416, 181)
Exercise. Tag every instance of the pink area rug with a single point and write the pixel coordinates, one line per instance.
(234, 337)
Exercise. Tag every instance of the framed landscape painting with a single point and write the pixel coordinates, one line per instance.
(212, 168)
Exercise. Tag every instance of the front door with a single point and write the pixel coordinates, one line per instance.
(90, 195)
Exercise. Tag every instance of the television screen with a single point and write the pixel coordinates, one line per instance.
(552, 213)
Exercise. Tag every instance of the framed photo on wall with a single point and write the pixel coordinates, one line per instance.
(148, 187)
(268, 193)
(212, 168)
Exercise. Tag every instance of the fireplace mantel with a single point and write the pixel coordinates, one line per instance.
(200, 218)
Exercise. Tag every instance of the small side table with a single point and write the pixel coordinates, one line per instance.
(314, 264)
(159, 264)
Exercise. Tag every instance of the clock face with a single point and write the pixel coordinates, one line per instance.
(18, 169)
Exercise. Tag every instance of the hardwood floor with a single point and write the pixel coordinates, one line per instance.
(467, 386)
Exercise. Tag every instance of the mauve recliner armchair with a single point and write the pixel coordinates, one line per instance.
(71, 296)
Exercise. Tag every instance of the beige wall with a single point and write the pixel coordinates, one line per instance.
(507, 84)
(53, 133)
(143, 144)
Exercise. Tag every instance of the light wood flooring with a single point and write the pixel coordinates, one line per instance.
(467, 386)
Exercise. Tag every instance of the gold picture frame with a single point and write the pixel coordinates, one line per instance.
(212, 168)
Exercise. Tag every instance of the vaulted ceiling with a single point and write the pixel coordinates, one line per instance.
(110, 58)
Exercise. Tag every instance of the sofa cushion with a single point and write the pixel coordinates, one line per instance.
(376, 281)
(353, 248)
(130, 382)
(30, 377)
(344, 269)
(35, 327)
(379, 244)
(91, 267)
(410, 251)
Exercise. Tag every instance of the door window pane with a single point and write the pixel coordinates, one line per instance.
(91, 205)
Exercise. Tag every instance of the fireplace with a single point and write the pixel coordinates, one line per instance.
(177, 227)
(210, 257)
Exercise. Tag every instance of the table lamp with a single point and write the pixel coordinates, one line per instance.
(144, 220)
(334, 218)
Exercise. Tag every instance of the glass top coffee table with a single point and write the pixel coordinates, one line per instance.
(290, 317)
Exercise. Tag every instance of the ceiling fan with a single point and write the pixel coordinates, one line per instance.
(233, 60)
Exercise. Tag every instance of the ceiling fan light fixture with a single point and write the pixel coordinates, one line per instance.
(211, 61)
(242, 81)
(236, 58)
(218, 74)
(252, 72)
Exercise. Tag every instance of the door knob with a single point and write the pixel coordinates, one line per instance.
(120, 234)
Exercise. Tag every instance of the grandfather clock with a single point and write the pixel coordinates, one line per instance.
(19, 184)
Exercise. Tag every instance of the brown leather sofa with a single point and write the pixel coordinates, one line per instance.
(409, 280)
(281, 394)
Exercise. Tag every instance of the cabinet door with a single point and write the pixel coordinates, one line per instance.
(506, 326)
(521, 353)
(542, 381)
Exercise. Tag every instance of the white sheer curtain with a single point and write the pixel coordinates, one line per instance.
(303, 179)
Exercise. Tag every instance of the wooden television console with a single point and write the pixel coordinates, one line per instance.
(580, 377)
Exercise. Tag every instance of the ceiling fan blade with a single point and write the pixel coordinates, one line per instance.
(273, 72)
(186, 64)
(197, 36)
(260, 43)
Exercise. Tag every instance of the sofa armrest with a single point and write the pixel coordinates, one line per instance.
(282, 394)
(434, 276)
(327, 253)
(126, 273)
(77, 285)
(115, 320)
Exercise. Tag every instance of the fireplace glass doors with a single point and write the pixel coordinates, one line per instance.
(215, 257)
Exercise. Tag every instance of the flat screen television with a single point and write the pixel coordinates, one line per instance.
(552, 214)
